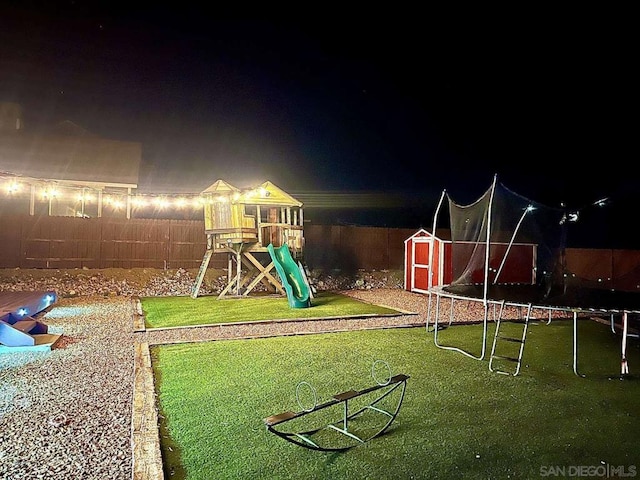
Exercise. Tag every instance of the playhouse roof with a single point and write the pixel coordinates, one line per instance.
(264, 194)
(220, 186)
(269, 194)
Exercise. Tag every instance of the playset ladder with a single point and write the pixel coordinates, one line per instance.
(201, 273)
(306, 275)
(502, 338)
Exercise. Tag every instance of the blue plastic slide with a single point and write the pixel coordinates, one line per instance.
(293, 280)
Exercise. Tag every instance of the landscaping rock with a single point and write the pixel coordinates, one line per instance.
(159, 283)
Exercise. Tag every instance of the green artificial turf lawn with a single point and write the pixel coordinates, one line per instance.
(161, 312)
(458, 419)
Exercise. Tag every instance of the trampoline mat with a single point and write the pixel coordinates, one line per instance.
(571, 298)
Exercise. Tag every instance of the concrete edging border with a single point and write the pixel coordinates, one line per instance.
(145, 440)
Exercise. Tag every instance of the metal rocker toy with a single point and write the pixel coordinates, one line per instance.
(316, 427)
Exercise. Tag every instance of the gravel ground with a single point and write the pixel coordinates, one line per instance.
(66, 414)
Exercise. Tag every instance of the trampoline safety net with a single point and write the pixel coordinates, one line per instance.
(526, 241)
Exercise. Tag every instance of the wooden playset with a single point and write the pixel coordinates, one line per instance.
(242, 224)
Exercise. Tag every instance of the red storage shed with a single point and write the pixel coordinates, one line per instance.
(519, 266)
(416, 261)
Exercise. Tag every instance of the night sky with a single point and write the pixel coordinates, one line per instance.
(364, 108)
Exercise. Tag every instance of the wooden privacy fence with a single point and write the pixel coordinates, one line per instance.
(70, 242)
(349, 248)
(606, 268)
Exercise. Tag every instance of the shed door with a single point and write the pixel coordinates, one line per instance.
(420, 264)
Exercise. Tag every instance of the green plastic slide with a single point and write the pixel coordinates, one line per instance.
(293, 280)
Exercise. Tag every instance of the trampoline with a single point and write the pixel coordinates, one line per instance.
(481, 272)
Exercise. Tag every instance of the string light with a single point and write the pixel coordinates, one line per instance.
(47, 190)
(13, 187)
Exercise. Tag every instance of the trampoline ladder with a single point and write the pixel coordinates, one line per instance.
(499, 337)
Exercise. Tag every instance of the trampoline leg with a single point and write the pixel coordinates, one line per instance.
(451, 309)
(435, 321)
(456, 349)
(484, 330)
(624, 366)
(426, 325)
(575, 344)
